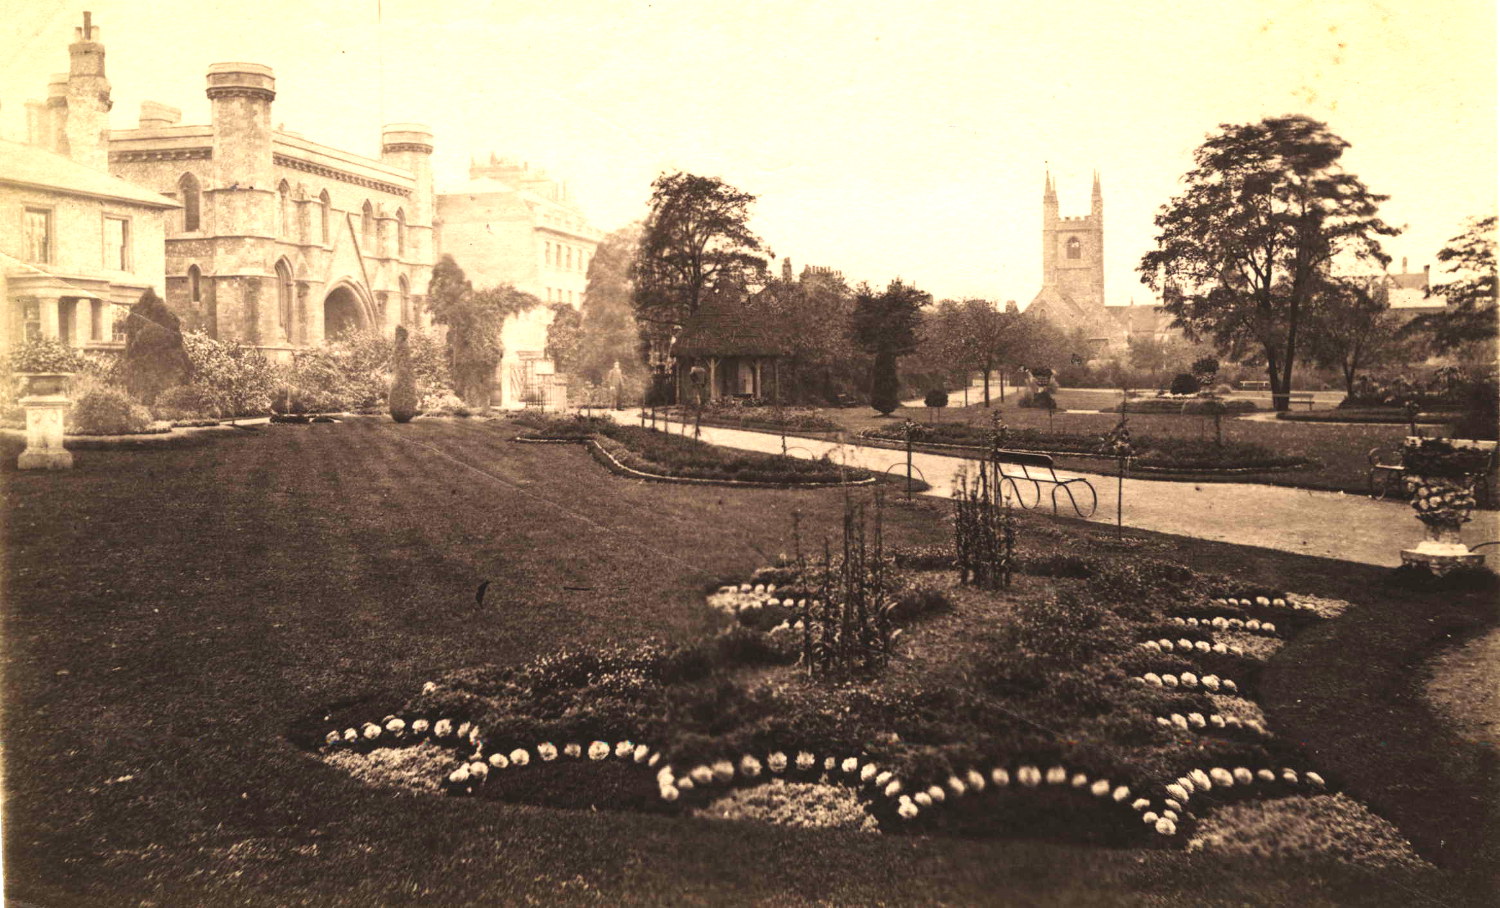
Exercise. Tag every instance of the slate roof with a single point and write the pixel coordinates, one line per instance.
(725, 329)
(33, 167)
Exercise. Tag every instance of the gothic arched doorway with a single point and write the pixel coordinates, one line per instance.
(342, 312)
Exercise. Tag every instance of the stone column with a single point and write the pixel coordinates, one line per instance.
(51, 311)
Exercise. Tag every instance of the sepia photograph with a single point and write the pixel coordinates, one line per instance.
(702, 453)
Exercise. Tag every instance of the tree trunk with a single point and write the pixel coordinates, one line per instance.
(986, 387)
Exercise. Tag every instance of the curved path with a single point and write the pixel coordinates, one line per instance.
(1306, 522)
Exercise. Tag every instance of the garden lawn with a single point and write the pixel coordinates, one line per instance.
(1342, 450)
(170, 614)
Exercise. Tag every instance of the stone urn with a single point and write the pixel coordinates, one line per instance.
(1440, 478)
(44, 397)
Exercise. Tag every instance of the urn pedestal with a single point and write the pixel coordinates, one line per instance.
(44, 433)
(1442, 551)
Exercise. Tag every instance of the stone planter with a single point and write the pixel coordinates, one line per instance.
(45, 401)
(43, 384)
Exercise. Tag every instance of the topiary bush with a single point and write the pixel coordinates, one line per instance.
(1184, 383)
(155, 358)
(107, 410)
(404, 382)
(937, 397)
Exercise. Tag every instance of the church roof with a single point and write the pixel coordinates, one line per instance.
(720, 328)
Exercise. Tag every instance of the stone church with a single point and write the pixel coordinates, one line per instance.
(1072, 294)
(279, 242)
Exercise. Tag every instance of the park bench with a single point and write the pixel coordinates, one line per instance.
(1255, 386)
(1300, 397)
(1015, 467)
(1383, 475)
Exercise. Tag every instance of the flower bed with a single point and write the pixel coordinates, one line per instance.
(655, 453)
(1040, 717)
(772, 419)
(1152, 453)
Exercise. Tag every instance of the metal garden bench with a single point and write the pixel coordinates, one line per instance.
(1015, 467)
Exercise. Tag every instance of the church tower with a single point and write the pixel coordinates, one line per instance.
(1073, 249)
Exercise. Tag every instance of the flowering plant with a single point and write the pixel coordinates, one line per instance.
(44, 354)
(1441, 500)
(1116, 442)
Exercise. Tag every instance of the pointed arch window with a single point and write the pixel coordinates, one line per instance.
(1075, 248)
(400, 232)
(286, 292)
(367, 227)
(195, 285)
(192, 201)
(405, 288)
(323, 206)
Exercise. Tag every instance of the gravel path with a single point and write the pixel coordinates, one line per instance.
(1465, 689)
(1302, 521)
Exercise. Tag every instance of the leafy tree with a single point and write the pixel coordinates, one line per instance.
(155, 359)
(474, 320)
(808, 317)
(1244, 252)
(564, 337)
(696, 240)
(403, 381)
(1353, 329)
(1470, 292)
(886, 326)
(608, 331)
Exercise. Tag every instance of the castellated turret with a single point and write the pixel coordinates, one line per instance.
(409, 147)
(244, 182)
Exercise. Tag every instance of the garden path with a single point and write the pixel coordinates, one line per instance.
(1302, 521)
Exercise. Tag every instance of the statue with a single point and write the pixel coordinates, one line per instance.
(616, 383)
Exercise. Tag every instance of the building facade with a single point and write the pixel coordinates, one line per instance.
(513, 224)
(78, 247)
(277, 241)
(1072, 295)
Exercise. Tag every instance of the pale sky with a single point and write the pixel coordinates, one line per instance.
(882, 138)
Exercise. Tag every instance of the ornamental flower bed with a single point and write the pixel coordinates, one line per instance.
(661, 453)
(1030, 712)
(1164, 453)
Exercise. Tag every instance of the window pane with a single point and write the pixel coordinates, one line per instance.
(38, 235)
(117, 243)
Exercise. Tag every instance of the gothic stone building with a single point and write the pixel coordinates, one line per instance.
(78, 245)
(279, 242)
(1072, 294)
(513, 224)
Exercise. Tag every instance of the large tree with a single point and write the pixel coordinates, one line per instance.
(1470, 292)
(474, 319)
(977, 336)
(808, 317)
(886, 325)
(1352, 329)
(1244, 252)
(696, 241)
(608, 331)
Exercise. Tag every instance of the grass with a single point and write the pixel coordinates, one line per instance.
(170, 614)
(1340, 450)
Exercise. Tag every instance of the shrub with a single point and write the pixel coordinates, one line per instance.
(937, 397)
(239, 380)
(184, 402)
(155, 358)
(107, 410)
(403, 395)
(1184, 383)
